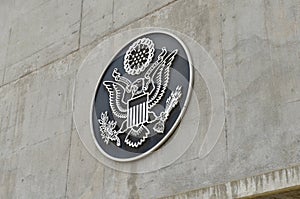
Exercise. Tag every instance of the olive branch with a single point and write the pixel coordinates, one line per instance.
(107, 129)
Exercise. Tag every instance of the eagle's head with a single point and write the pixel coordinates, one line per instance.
(137, 87)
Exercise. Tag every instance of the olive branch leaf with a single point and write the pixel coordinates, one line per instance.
(107, 129)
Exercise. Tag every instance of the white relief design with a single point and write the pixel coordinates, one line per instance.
(133, 101)
(107, 129)
(138, 56)
(171, 102)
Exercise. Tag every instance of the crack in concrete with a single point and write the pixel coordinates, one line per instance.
(103, 182)
(37, 69)
(80, 25)
(69, 155)
(33, 144)
(113, 14)
(223, 18)
(293, 101)
(6, 54)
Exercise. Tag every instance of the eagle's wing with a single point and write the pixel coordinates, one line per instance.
(160, 79)
(116, 94)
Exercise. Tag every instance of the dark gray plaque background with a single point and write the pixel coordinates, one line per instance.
(180, 74)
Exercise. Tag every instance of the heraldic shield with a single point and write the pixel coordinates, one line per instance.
(141, 96)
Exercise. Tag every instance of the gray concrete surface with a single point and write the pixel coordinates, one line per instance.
(42, 43)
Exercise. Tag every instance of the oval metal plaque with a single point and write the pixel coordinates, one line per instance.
(141, 96)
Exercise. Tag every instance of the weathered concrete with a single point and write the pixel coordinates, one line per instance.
(100, 18)
(255, 45)
(262, 186)
(260, 88)
(36, 125)
(85, 175)
(38, 33)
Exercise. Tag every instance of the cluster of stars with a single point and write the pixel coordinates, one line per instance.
(139, 56)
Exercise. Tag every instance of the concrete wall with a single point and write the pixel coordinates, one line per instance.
(255, 45)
